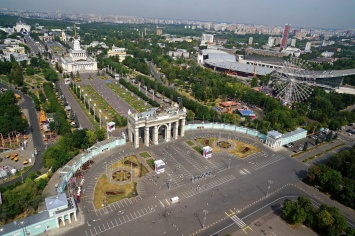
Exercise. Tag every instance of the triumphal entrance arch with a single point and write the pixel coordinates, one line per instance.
(155, 123)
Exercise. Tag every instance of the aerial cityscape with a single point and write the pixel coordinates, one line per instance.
(213, 118)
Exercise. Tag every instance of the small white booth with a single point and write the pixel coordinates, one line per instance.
(207, 152)
(159, 166)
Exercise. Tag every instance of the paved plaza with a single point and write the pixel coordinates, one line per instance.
(234, 184)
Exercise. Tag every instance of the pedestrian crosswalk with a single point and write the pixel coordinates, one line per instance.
(123, 217)
(267, 161)
(238, 221)
(204, 187)
(119, 205)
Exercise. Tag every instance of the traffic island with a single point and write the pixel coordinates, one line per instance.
(123, 177)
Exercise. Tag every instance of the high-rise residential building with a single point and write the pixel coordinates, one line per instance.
(293, 42)
(308, 46)
(159, 32)
(271, 42)
(277, 41)
(250, 42)
(206, 39)
(285, 36)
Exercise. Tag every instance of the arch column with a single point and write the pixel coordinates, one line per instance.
(176, 130)
(168, 133)
(182, 132)
(130, 135)
(146, 136)
(57, 222)
(69, 218)
(136, 138)
(76, 219)
(63, 219)
(155, 135)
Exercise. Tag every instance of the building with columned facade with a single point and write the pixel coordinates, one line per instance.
(78, 60)
(156, 124)
(275, 139)
(60, 211)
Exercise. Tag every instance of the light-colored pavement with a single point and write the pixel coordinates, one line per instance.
(83, 119)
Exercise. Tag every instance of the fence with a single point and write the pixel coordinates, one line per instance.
(227, 127)
(80, 159)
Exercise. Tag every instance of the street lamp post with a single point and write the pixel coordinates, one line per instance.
(81, 91)
(89, 105)
(268, 188)
(100, 117)
(94, 110)
(106, 127)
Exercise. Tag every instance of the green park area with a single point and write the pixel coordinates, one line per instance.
(122, 181)
(56, 48)
(236, 148)
(140, 105)
(101, 104)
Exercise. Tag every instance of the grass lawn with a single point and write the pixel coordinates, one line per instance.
(132, 100)
(144, 154)
(190, 143)
(240, 146)
(198, 149)
(139, 170)
(56, 48)
(150, 162)
(4, 77)
(202, 141)
(103, 185)
(101, 104)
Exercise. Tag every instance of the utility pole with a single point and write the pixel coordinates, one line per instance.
(204, 218)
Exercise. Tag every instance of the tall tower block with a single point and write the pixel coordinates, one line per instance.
(285, 36)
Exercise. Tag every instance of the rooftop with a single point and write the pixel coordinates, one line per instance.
(296, 131)
(236, 66)
(54, 202)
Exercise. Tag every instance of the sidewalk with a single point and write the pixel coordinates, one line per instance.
(325, 199)
(63, 229)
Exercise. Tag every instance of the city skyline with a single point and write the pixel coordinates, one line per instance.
(300, 13)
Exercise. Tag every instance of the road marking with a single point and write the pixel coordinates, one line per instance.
(238, 221)
(161, 203)
(167, 201)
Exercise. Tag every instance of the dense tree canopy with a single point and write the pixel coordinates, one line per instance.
(11, 118)
(325, 220)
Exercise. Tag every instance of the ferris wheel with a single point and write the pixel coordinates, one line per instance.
(292, 82)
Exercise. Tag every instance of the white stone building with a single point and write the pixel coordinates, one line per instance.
(116, 51)
(274, 139)
(78, 60)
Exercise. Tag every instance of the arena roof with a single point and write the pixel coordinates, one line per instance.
(236, 66)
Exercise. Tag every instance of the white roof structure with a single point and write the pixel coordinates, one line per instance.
(54, 202)
(241, 67)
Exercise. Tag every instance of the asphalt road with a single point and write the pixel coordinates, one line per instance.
(83, 119)
(32, 44)
(38, 143)
(156, 75)
(243, 186)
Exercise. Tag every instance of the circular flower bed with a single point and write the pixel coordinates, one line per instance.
(121, 175)
(224, 144)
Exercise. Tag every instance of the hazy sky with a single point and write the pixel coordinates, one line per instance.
(306, 13)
